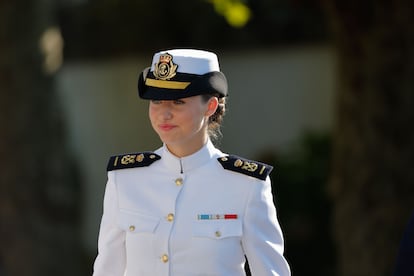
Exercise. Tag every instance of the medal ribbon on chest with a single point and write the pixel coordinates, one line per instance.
(216, 216)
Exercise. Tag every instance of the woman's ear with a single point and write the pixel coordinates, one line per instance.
(212, 105)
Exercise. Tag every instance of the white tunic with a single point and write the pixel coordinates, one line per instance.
(188, 216)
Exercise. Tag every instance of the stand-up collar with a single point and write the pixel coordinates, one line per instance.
(188, 163)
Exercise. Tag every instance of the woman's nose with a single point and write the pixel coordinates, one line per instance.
(167, 113)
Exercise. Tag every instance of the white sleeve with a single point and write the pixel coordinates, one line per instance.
(262, 236)
(111, 257)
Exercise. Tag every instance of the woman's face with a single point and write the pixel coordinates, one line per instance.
(182, 124)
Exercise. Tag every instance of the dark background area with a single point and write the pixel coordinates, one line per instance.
(107, 28)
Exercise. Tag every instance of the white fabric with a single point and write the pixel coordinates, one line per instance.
(191, 61)
(143, 198)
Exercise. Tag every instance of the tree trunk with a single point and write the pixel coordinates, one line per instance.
(38, 188)
(372, 181)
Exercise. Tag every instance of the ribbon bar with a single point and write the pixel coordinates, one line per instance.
(217, 216)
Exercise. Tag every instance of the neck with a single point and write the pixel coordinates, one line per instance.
(185, 149)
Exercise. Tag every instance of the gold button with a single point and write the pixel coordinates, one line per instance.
(218, 234)
(170, 217)
(132, 228)
(164, 258)
(179, 181)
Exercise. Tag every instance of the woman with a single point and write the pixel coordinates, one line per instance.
(187, 208)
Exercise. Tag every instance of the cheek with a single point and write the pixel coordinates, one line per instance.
(152, 110)
(197, 118)
(151, 114)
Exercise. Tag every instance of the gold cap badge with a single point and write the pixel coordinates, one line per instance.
(165, 69)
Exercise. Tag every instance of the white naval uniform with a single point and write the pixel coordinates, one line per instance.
(154, 220)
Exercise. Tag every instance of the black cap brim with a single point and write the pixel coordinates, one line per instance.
(214, 83)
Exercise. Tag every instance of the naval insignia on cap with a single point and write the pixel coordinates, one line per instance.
(132, 160)
(181, 73)
(165, 69)
(251, 168)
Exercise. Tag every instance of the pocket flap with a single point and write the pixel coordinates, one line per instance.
(135, 222)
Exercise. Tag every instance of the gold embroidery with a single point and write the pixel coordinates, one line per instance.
(128, 159)
(165, 69)
(262, 170)
(167, 84)
(250, 166)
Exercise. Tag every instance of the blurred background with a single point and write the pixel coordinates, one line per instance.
(322, 90)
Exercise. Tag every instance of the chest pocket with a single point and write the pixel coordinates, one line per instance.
(217, 229)
(134, 222)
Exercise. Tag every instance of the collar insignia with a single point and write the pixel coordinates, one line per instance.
(165, 69)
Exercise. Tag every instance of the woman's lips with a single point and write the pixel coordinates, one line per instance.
(166, 127)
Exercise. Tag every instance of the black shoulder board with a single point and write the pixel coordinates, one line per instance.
(132, 160)
(245, 166)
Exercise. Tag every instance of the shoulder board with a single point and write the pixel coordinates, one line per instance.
(132, 160)
(252, 168)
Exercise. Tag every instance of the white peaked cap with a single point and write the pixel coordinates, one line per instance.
(191, 61)
(181, 73)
